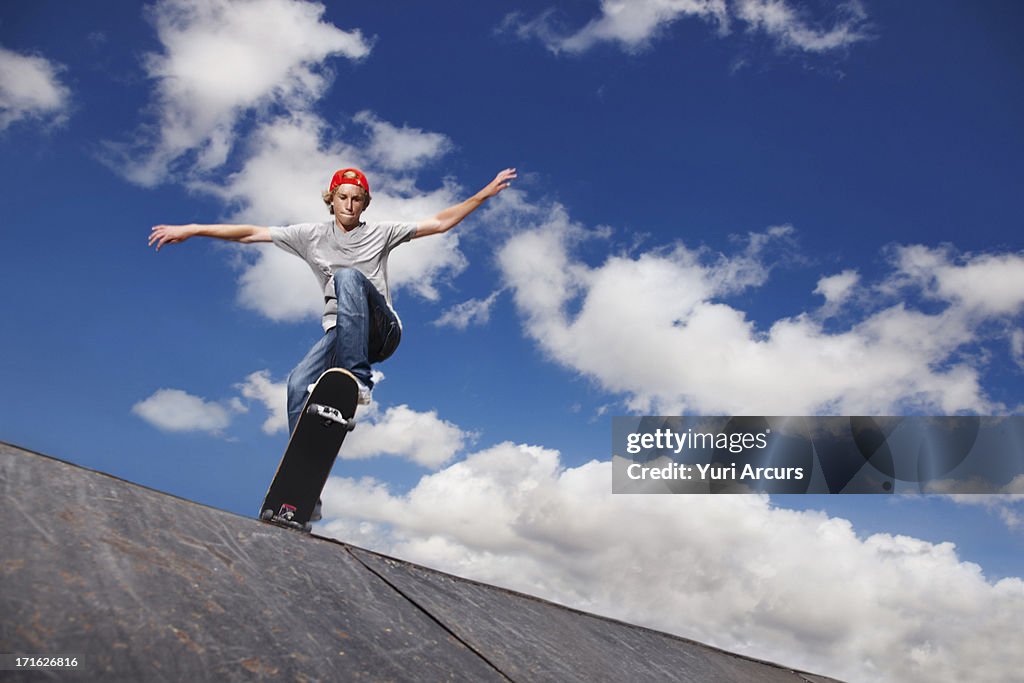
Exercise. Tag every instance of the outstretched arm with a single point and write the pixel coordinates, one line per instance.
(174, 234)
(450, 217)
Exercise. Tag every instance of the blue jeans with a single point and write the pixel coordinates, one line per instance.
(367, 331)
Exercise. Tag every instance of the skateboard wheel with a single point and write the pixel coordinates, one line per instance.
(267, 515)
(350, 425)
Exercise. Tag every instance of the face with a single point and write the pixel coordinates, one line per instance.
(349, 203)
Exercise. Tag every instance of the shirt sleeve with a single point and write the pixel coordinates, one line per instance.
(399, 233)
(292, 238)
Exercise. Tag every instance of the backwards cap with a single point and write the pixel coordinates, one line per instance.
(358, 179)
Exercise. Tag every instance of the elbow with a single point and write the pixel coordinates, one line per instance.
(434, 227)
(256, 235)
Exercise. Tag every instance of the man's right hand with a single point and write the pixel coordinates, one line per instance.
(168, 234)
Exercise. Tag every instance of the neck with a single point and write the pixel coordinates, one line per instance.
(346, 228)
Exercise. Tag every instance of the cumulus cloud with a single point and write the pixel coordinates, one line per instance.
(789, 28)
(989, 284)
(634, 24)
(30, 88)
(174, 410)
(733, 571)
(607, 321)
(243, 79)
(420, 437)
(396, 147)
(837, 289)
(471, 312)
(1007, 502)
(222, 59)
(278, 286)
(1017, 347)
(272, 395)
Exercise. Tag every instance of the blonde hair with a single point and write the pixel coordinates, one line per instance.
(328, 195)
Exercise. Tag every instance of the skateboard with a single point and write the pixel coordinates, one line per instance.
(327, 417)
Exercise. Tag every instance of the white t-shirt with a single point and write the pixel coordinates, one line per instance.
(326, 248)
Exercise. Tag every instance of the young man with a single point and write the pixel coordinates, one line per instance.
(350, 260)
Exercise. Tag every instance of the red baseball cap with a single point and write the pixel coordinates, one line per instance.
(358, 179)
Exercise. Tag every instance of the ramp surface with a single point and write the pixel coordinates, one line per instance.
(535, 640)
(140, 585)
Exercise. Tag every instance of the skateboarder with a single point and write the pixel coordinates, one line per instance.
(350, 260)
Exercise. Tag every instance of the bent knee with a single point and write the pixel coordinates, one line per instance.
(298, 382)
(347, 276)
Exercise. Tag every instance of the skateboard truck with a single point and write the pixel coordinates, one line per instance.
(330, 415)
(284, 518)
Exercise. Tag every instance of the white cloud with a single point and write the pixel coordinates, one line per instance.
(796, 587)
(635, 24)
(471, 312)
(1007, 502)
(290, 159)
(1012, 516)
(288, 162)
(990, 284)
(395, 148)
(421, 266)
(419, 437)
(1017, 346)
(278, 286)
(424, 265)
(631, 23)
(174, 410)
(837, 288)
(220, 60)
(30, 88)
(608, 321)
(422, 438)
(273, 396)
(785, 24)
(226, 59)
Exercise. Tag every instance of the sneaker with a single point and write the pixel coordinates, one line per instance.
(364, 394)
(317, 512)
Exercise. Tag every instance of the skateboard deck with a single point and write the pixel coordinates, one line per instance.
(325, 420)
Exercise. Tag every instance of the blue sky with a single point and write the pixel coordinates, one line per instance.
(724, 207)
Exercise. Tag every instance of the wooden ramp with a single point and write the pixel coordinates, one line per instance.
(139, 585)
